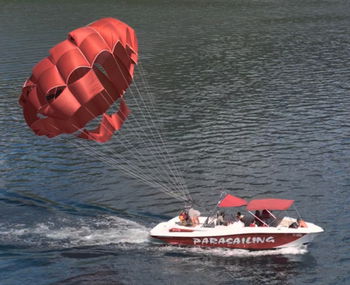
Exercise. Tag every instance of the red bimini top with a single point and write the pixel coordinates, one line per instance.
(232, 201)
(269, 204)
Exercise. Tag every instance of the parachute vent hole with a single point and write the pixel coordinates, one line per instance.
(41, 116)
(100, 68)
(54, 93)
(77, 74)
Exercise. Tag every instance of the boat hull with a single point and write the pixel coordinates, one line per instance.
(250, 238)
(243, 241)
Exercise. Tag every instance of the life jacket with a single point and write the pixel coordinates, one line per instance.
(182, 216)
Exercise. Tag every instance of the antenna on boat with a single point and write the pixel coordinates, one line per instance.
(222, 195)
(295, 208)
(188, 203)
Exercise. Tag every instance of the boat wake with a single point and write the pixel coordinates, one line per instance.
(110, 230)
(224, 252)
(82, 231)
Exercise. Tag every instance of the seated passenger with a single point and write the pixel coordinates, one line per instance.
(265, 215)
(298, 224)
(220, 218)
(301, 223)
(238, 220)
(194, 216)
(239, 216)
(183, 217)
(258, 218)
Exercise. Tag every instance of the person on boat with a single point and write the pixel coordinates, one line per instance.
(265, 215)
(184, 218)
(258, 218)
(239, 216)
(194, 216)
(301, 223)
(298, 224)
(220, 218)
(238, 220)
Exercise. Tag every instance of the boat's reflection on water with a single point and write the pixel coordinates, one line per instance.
(268, 268)
(231, 266)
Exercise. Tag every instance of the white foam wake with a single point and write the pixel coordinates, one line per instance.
(224, 252)
(85, 231)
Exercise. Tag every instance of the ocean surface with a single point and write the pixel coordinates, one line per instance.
(251, 97)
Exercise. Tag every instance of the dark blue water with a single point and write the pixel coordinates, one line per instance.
(252, 97)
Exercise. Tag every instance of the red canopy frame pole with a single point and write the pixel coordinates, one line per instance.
(206, 222)
(295, 208)
(222, 197)
(258, 218)
(271, 214)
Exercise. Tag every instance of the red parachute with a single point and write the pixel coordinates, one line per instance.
(80, 79)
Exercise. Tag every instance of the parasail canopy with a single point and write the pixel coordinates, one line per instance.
(232, 201)
(270, 204)
(79, 81)
(83, 78)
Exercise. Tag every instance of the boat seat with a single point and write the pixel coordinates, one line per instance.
(286, 222)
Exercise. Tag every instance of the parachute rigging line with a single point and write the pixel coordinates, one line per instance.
(79, 81)
(160, 156)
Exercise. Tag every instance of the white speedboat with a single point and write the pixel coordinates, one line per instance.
(272, 233)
